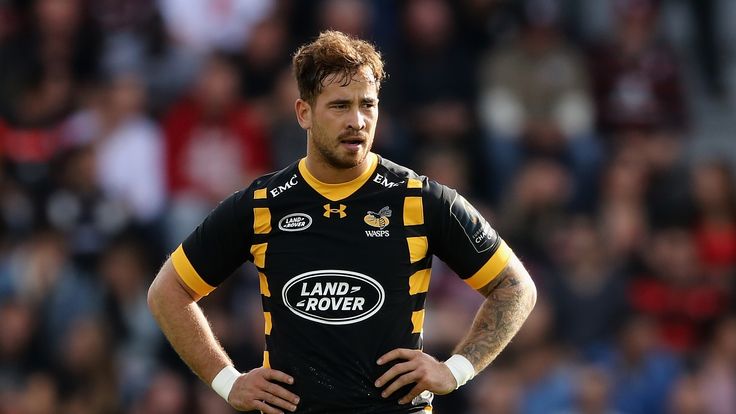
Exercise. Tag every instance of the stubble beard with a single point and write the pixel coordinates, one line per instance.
(331, 154)
(335, 161)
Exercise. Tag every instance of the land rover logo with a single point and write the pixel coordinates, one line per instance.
(295, 222)
(333, 297)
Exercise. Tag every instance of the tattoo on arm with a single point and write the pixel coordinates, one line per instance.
(510, 298)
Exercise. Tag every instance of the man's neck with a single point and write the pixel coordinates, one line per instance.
(324, 172)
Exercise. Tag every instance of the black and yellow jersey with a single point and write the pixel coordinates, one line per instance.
(344, 272)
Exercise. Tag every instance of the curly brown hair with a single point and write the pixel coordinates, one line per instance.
(333, 53)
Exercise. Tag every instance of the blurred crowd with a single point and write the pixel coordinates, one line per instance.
(123, 122)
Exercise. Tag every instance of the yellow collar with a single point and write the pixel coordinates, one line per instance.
(338, 191)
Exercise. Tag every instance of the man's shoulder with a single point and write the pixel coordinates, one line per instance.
(275, 178)
(397, 171)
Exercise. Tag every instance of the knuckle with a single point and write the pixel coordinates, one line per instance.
(254, 376)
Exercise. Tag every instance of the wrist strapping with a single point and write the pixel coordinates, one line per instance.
(224, 380)
(461, 369)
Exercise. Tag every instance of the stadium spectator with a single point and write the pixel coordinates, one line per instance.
(127, 146)
(714, 232)
(205, 26)
(717, 376)
(123, 271)
(79, 209)
(622, 205)
(673, 292)
(642, 373)
(432, 75)
(535, 100)
(636, 75)
(586, 287)
(592, 394)
(263, 59)
(212, 123)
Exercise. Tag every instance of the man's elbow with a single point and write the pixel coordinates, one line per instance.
(168, 290)
(532, 292)
(153, 296)
(528, 290)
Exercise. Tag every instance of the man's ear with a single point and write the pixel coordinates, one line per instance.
(303, 113)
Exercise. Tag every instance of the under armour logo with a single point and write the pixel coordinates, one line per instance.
(329, 210)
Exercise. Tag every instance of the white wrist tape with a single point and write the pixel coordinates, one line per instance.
(224, 380)
(461, 369)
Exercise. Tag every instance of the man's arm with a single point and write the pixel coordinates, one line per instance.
(174, 306)
(510, 297)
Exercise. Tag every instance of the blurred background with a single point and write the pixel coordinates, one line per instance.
(596, 136)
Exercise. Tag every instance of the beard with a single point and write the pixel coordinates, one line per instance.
(330, 150)
(334, 160)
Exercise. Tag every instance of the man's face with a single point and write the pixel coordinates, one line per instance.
(342, 120)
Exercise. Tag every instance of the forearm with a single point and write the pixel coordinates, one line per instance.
(509, 300)
(185, 326)
(174, 306)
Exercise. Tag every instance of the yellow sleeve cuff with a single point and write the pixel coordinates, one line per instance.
(188, 274)
(492, 268)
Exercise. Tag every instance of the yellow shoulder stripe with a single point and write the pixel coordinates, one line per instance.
(260, 194)
(417, 321)
(188, 274)
(261, 220)
(413, 211)
(413, 183)
(267, 321)
(419, 281)
(492, 268)
(418, 247)
(259, 254)
(263, 283)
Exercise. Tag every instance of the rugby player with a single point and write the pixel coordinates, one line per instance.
(343, 241)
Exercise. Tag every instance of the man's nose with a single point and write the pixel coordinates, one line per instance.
(356, 120)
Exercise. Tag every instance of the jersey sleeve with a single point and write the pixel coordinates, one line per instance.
(462, 238)
(218, 246)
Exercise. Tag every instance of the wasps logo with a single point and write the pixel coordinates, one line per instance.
(380, 219)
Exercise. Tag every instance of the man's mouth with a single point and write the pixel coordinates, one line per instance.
(353, 143)
(352, 140)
